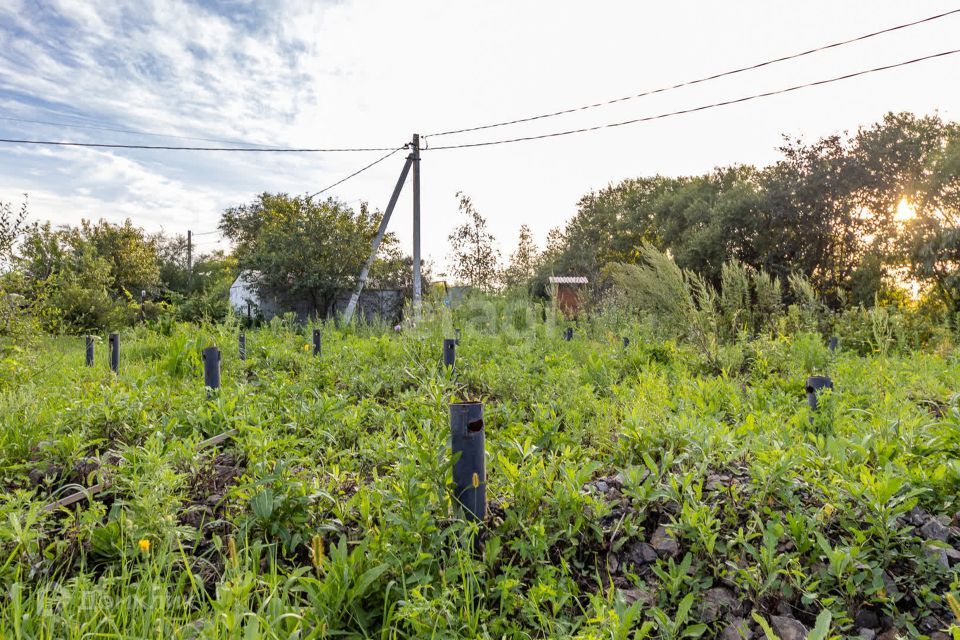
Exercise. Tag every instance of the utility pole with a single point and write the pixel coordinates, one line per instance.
(362, 280)
(189, 259)
(417, 284)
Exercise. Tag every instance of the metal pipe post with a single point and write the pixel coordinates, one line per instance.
(814, 385)
(211, 368)
(89, 351)
(114, 341)
(469, 467)
(243, 346)
(832, 344)
(316, 342)
(449, 353)
(568, 334)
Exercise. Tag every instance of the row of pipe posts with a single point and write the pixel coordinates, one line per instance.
(114, 342)
(467, 435)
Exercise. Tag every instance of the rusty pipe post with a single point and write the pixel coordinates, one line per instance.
(89, 351)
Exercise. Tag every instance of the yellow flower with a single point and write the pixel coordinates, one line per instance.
(954, 605)
(232, 550)
(317, 552)
(476, 480)
(827, 511)
(306, 347)
(144, 545)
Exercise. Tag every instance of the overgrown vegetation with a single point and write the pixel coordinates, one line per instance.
(862, 217)
(676, 486)
(634, 492)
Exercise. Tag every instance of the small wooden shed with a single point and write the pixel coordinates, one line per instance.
(566, 292)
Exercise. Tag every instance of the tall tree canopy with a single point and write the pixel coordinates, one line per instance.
(827, 209)
(304, 248)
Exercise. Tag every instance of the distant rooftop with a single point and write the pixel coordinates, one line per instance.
(568, 280)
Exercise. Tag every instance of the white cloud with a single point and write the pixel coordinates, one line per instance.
(369, 73)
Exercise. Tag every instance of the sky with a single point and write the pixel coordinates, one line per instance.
(370, 74)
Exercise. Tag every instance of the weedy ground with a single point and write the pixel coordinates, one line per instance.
(633, 491)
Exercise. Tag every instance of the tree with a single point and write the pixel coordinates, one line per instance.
(130, 252)
(66, 282)
(932, 239)
(523, 261)
(174, 270)
(475, 259)
(826, 209)
(301, 248)
(11, 228)
(610, 226)
(708, 221)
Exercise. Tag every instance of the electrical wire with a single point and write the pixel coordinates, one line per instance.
(134, 131)
(206, 233)
(705, 107)
(688, 83)
(102, 145)
(358, 171)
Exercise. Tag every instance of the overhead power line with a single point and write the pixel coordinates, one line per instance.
(688, 83)
(705, 107)
(134, 131)
(358, 171)
(101, 145)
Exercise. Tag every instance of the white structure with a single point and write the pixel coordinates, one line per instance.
(246, 298)
(243, 293)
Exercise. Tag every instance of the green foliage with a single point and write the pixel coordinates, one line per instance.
(473, 256)
(826, 209)
(329, 512)
(682, 304)
(93, 277)
(304, 249)
(11, 227)
(523, 261)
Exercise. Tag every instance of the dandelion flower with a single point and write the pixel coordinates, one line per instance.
(144, 545)
(306, 347)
